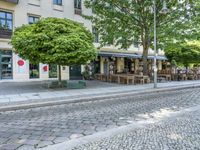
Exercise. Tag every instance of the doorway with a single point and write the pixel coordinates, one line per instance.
(75, 72)
(6, 64)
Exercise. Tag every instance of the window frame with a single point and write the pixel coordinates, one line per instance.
(58, 2)
(76, 4)
(34, 17)
(6, 19)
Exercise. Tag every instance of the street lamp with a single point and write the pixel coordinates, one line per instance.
(164, 11)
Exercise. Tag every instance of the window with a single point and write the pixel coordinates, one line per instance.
(95, 34)
(77, 6)
(32, 19)
(6, 20)
(57, 2)
(6, 24)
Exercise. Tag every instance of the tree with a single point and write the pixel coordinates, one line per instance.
(121, 22)
(184, 53)
(54, 41)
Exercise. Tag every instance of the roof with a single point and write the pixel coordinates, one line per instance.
(127, 55)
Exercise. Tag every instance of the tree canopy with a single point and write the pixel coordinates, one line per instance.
(184, 53)
(121, 22)
(54, 41)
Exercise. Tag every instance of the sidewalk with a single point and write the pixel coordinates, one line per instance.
(20, 93)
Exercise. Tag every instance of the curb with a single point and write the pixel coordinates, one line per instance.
(62, 100)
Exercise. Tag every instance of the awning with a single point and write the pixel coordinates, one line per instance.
(120, 55)
(127, 55)
(158, 57)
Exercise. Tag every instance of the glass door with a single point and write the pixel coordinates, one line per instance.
(53, 71)
(34, 71)
(5, 64)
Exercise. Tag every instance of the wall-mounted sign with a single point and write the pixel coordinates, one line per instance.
(21, 65)
(44, 68)
(20, 62)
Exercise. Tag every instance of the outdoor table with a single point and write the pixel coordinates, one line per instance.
(113, 78)
(142, 78)
(183, 76)
(166, 76)
(101, 77)
(190, 76)
(126, 78)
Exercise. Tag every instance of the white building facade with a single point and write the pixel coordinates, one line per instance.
(14, 13)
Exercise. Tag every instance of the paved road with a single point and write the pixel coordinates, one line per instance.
(179, 132)
(39, 127)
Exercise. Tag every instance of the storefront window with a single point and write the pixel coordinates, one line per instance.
(5, 64)
(34, 71)
(53, 71)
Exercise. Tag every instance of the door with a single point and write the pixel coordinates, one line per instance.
(75, 72)
(34, 71)
(5, 64)
(53, 71)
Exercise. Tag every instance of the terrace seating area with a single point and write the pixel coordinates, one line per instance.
(127, 68)
(123, 78)
(163, 76)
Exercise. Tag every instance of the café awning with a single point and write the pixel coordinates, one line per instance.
(127, 55)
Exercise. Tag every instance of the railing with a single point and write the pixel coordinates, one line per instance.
(77, 11)
(12, 1)
(5, 33)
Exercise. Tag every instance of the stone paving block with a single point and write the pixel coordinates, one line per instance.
(3, 140)
(31, 142)
(44, 143)
(9, 146)
(26, 147)
(75, 136)
(60, 139)
(47, 138)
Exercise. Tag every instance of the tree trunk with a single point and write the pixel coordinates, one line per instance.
(59, 76)
(144, 59)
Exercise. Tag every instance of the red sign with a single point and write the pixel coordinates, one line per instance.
(45, 68)
(20, 62)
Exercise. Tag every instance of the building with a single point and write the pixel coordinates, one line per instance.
(14, 13)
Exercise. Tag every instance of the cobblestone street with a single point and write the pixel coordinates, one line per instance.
(39, 127)
(180, 133)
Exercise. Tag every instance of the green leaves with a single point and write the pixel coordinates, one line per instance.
(184, 53)
(54, 41)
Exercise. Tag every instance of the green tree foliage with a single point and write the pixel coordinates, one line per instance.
(54, 41)
(184, 53)
(120, 22)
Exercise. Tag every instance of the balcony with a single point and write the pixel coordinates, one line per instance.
(5, 33)
(12, 1)
(77, 11)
